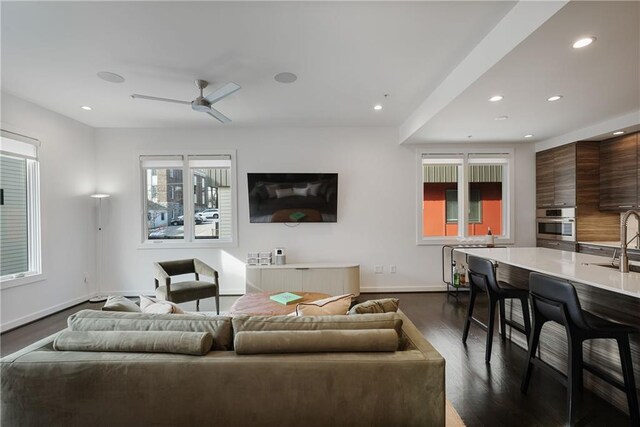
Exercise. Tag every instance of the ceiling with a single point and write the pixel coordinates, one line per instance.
(347, 56)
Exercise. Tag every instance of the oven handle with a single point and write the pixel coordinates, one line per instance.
(556, 219)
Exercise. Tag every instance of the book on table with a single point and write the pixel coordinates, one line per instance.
(285, 298)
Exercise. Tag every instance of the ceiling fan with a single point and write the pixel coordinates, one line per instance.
(202, 103)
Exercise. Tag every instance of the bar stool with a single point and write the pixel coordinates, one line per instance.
(482, 278)
(556, 300)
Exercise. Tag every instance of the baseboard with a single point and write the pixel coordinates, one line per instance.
(134, 293)
(392, 289)
(5, 327)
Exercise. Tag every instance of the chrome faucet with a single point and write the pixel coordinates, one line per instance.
(624, 258)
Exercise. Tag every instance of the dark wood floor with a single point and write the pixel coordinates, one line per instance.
(489, 395)
(483, 395)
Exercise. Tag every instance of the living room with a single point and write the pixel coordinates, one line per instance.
(430, 66)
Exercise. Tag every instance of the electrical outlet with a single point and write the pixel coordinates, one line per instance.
(393, 268)
(379, 269)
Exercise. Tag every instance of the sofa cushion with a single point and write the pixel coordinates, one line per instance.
(120, 303)
(193, 343)
(315, 341)
(325, 307)
(245, 322)
(152, 305)
(384, 305)
(218, 326)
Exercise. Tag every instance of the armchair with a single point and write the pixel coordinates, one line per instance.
(184, 291)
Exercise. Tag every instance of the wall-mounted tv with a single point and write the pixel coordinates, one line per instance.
(293, 197)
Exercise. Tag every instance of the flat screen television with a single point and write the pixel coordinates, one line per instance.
(293, 197)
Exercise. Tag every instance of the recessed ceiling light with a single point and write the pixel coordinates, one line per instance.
(496, 98)
(554, 98)
(620, 132)
(86, 107)
(110, 77)
(583, 42)
(501, 118)
(285, 77)
(529, 135)
(377, 107)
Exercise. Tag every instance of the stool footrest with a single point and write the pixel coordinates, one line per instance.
(518, 327)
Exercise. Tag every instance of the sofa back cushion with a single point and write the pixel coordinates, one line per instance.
(267, 342)
(243, 322)
(218, 326)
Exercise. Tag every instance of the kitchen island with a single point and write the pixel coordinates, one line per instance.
(602, 290)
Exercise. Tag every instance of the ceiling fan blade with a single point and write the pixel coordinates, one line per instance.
(218, 116)
(155, 98)
(225, 90)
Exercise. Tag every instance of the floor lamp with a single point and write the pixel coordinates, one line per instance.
(99, 197)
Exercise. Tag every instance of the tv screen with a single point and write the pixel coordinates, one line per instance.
(293, 197)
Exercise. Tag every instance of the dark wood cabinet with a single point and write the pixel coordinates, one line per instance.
(556, 177)
(619, 173)
(569, 176)
(557, 244)
(564, 175)
(544, 179)
(596, 250)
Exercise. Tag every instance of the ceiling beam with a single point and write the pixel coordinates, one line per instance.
(520, 22)
(600, 131)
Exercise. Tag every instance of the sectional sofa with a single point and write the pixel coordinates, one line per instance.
(356, 370)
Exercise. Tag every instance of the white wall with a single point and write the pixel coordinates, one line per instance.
(67, 173)
(376, 205)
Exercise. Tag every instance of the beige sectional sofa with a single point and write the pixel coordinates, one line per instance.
(306, 371)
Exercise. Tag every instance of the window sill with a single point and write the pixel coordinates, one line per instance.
(455, 241)
(163, 244)
(20, 281)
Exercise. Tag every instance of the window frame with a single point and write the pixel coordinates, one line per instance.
(469, 155)
(34, 212)
(188, 199)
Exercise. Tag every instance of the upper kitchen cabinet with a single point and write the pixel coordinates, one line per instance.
(619, 173)
(556, 177)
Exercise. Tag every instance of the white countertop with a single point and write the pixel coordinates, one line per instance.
(565, 265)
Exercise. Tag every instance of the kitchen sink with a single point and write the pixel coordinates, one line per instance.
(632, 267)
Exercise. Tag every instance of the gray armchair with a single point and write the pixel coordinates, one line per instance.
(184, 291)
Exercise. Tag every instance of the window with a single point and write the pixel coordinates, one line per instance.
(19, 207)
(205, 214)
(475, 206)
(463, 195)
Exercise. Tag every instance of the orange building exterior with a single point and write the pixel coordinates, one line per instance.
(434, 209)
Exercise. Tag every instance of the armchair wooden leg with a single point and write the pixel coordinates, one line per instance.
(217, 303)
(197, 305)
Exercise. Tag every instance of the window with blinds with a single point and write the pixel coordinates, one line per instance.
(19, 207)
(188, 198)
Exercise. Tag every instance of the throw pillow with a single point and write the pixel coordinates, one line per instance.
(152, 305)
(314, 188)
(301, 191)
(119, 303)
(385, 305)
(284, 192)
(271, 190)
(325, 307)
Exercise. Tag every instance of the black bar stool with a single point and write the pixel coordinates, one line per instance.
(482, 278)
(556, 300)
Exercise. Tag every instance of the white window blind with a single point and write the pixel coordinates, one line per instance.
(19, 206)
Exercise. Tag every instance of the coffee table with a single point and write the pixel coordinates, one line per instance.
(258, 303)
(310, 215)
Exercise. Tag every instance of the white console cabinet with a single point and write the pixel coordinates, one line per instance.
(332, 279)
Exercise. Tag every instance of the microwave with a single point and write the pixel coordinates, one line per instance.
(556, 224)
